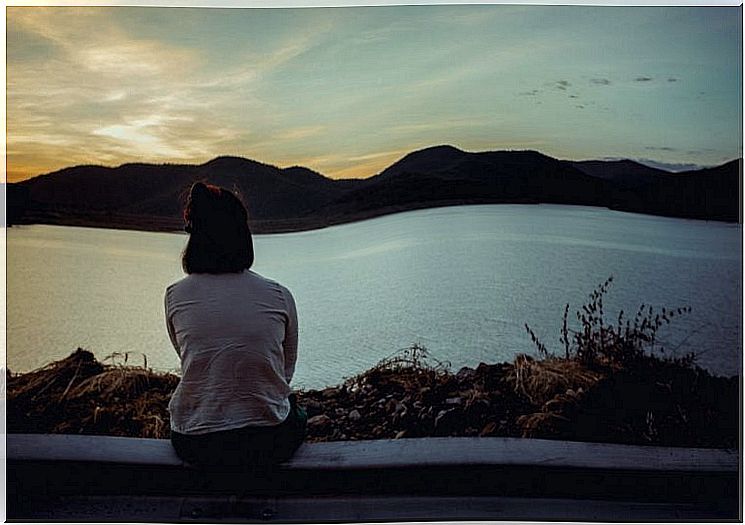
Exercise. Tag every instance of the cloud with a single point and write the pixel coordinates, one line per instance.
(670, 166)
(377, 155)
(660, 148)
(701, 151)
(300, 133)
(672, 79)
(103, 94)
(359, 166)
(600, 81)
(643, 79)
(562, 84)
(531, 93)
(436, 125)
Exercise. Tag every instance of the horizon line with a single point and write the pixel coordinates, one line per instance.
(650, 163)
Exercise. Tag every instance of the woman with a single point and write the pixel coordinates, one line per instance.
(236, 335)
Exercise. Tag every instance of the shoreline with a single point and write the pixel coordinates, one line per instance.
(296, 225)
(654, 402)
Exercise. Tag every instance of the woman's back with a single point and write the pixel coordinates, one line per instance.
(236, 334)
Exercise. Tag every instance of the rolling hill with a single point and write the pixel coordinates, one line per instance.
(151, 197)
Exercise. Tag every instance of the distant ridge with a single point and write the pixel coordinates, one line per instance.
(151, 196)
(624, 172)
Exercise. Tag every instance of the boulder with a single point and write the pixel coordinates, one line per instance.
(319, 422)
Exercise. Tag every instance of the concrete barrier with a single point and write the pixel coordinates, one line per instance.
(72, 478)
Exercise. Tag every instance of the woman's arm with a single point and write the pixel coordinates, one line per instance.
(169, 326)
(290, 342)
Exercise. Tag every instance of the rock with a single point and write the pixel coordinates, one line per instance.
(320, 421)
(400, 413)
(453, 401)
(465, 374)
(340, 412)
(355, 415)
(448, 421)
(329, 393)
(478, 410)
(312, 407)
(488, 429)
(400, 434)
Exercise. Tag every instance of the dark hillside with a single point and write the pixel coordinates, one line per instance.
(444, 175)
(150, 196)
(140, 192)
(624, 172)
(712, 193)
(434, 159)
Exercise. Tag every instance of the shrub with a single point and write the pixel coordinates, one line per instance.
(598, 342)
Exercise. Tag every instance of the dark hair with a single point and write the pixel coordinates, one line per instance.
(219, 236)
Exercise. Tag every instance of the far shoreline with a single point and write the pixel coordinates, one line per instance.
(279, 226)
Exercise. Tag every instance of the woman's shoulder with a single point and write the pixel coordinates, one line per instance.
(195, 281)
(266, 281)
(175, 287)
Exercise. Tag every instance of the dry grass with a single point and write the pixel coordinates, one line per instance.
(78, 394)
(410, 394)
(540, 381)
(556, 387)
(407, 368)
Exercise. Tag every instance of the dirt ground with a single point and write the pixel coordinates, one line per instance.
(655, 402)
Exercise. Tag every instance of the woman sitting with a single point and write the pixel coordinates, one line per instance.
(236, 335)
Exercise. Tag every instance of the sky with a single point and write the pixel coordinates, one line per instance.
(347, 91)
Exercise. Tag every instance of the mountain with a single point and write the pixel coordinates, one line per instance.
(444, 175)
(151, 197)
(624, 172)
(711, 193)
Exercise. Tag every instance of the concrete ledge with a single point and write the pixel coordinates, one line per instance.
(67, 477)
(401, 453)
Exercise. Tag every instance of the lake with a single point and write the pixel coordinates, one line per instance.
(461, 281)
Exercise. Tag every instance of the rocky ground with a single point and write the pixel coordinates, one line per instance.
(654, 402)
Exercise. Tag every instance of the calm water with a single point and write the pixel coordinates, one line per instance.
(462, 281)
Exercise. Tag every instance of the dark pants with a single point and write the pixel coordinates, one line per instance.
(245, 447)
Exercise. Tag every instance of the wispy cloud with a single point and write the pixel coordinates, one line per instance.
(378, 155)
(300, 132)
(670, 166)
(600, 81)
(660, 148)
(353, 166)
(643, 79)
(132, 97)
(437, 124)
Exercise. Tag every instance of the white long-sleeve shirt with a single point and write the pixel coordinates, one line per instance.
(236, 335)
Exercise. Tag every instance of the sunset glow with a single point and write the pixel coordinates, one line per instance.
(348, 91)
